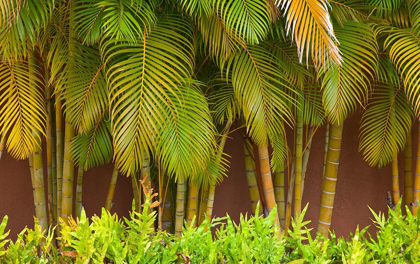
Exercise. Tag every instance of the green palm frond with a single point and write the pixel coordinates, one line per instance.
(116, 19)
(247, 20)
(94, 147)
(223, 104)
(197, 8)
(216, 38)
(310, 103)
(83, 87)
(414, 7)
(22, 109)
(150, 89)
(20, 22)
(404, 51)
(400, 18)
(287, 60)
(309, 24)
(280, 149)
(259, 88)
(187, 136)
(350, 10)
(347, 85)
(385, 7)
(385, 124)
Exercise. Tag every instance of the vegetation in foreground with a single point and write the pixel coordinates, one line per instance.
(109, 239)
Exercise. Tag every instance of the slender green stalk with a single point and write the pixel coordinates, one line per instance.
(290, 197)
(111, 190)
(136, 192)
(50, 152)
(192, 203)
(180, 205)
(79, 188)
(408, 171)
(203, 204)
(212, 188)
(59, 154)
(279, 192)
(251, 176)
(306, 156)
(395, 179)
(298, 164)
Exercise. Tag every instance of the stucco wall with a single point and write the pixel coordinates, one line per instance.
(358, 186)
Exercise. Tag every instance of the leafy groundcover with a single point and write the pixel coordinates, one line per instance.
(110, 239)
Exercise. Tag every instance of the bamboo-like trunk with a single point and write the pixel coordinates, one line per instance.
(327, 138)
(212, 188)
(408, 171)
(267, 181)
(41, 208)
(2, 143)
(251, 176)
(79, 188)
(180, 205)
(192, 203)
(280, 194)
(298, 164)
(167, 216)
(395, 179)
(111, 190)
(416, 191)
(306, 154)
(31, 170)
(203, 204)
(59, 154)
(145, 171)
(50, 145)
(68, 175)
(136, 193)
(290, 197)
(330, 179)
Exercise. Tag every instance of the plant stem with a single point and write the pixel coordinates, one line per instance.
(180, 205)
(251, 176)
(330, 179)
(79, 188)
(416, 191)
(408, 171)
(192, 204)
(298, 164)
(395, 179)
(111, 190)
(68, 175)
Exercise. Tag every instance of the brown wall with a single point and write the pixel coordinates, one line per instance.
(358, 186)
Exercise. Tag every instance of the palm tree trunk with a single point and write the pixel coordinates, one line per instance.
(68, 175)
(290, 197)
(50, 152)
(267, 181)
(59, 154)
(180, 205)
(167, 216)
(298, 164)
(203, 204)
(327, 138)
(251, 176)
(408, 171)
(280, 195)
(416, 191)
(145, 172)
(212, 188)
(395, 179)
(306, 154)
(79, 188)
(330, 179)
(111, 190)
(192, 204)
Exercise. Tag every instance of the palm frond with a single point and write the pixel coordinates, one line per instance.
(385, 7)
(347, 85)
(309, 24)
(22, 109)
(414, 7)
(385, 124)
(247, 20)
(310, 103)
(94, 147)
(222, 102)
(404, 51)
(350, 10)
(150, 90)
(82, 85)
(116, 19)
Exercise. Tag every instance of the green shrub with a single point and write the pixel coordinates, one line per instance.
(109, 239)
